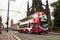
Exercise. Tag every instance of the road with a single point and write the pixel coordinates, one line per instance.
(49, 36)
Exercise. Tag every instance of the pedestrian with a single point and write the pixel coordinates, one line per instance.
(0, 29)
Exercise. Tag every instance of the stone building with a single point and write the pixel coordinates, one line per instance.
(36, 6)
(13, 26)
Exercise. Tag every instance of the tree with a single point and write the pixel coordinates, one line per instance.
(56, 14)
(48, 15)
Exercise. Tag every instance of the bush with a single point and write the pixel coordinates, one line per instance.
(56, 29)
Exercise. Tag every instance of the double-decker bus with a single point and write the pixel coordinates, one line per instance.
(38, 25)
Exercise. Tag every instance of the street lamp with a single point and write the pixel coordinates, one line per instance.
(8, 14)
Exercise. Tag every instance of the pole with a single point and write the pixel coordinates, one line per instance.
(8, 15)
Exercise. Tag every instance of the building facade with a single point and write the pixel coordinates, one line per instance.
(13, 26)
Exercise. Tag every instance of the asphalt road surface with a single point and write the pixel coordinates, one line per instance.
(49, 36)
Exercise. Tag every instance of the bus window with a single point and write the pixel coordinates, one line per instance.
(44, 24)
(35, 24)
(29, 25)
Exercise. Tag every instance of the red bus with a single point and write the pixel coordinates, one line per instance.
(38, 25)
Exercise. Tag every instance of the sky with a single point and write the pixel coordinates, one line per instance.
(18, 9)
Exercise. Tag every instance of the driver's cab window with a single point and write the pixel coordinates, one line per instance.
(44, 24)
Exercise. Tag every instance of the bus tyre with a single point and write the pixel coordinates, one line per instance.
(39, 33)
(30, 31)
(46, 32)
(25, 32)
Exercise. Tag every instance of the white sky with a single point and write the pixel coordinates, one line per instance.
(17, 5)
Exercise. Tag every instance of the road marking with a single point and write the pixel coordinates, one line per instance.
(16, 36)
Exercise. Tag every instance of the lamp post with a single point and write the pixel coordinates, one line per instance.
(8, 14)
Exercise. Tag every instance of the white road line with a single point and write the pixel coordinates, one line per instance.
(16, 36)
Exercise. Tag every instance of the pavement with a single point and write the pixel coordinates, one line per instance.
(6, 36)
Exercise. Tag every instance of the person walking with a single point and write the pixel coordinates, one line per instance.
(0, 24)
(0, 29)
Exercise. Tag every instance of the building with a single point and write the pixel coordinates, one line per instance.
(36, 6)
(13, 26)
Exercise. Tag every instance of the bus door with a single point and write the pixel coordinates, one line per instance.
(35, 27)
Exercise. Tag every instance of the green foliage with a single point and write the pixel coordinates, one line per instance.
(56, 14)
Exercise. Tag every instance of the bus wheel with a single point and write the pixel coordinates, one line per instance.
(39, 33)
(46, 32)
(25, 32)
(31, 31)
